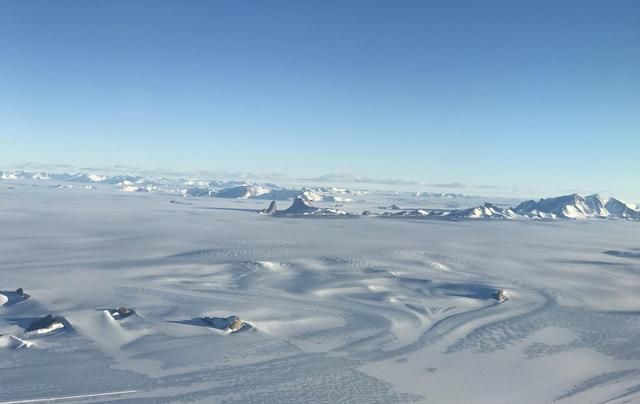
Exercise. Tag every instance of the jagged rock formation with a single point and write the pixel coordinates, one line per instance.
(120, 313)
(12, 297)
(486, 211)
(271, 209)
(622, 210)
(229, 324)
(300, 207)
(45, 325)
(575, 206)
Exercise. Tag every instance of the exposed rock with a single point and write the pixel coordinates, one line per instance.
(228, 324)
(236, 325)
(576, 207)
(240, 192)
(271, 209)
(623, 210)
(46, 324)
(9, 297)
(300, 207)
(121, 312)
(500, 295)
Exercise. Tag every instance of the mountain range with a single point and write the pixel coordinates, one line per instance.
(573, 206)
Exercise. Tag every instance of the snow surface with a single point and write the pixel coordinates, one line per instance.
(370, 310)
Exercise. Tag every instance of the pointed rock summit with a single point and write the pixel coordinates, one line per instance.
(622, 209)
(271, 209)
(299, 207)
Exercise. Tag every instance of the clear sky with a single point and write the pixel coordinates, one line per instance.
(539, 94)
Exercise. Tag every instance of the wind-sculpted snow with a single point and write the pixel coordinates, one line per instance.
(367, 310)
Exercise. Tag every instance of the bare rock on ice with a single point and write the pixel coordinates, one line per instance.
(8, 297)
(46, 325)
(300, 207)
(229, 324)
(120, 313)
(500, 295)
(271, 209)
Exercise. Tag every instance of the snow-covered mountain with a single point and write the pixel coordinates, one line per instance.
(241, 192)
(623, 210)
(287, 194)
(197, 191)
(567, 206)
(576, 206)
(572, 206)
(596, 205)
(441, 195)
(486, 211)
(72, 177)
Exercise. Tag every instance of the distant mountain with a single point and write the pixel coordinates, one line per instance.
(74, 177)
(486, 211)
(280, 194)
(596, 205)
(576, 206)
(286, 194)
(121, 179)
(623, 210)
(197, 191)
(300, 207)
(331, 198)
(568, 206)
(451, 195)
(241, 192)
(572, 206)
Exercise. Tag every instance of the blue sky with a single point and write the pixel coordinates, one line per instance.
(542, 95)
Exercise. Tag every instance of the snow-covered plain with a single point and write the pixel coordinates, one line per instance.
(344, 309)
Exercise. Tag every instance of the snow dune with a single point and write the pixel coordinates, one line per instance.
(340, 310)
